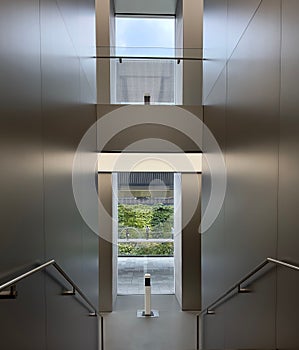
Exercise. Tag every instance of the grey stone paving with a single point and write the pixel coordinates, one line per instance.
(131, 272)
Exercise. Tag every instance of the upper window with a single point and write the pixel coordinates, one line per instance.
(141, 41)
(145, 36)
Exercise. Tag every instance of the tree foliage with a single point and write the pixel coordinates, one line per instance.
(162, 215)
(157, 218)
(138, 216)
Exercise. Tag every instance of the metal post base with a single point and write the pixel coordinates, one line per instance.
(154, 314)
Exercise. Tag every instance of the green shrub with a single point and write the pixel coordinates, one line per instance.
(145, 249)
(162, 217)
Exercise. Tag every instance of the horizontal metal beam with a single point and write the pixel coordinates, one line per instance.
(150, 58)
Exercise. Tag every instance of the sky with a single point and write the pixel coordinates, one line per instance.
(151, 33)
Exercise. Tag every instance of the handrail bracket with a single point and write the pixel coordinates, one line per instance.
(8, 289)
(10, 293)
(238, 286)
(69, 292)
(243, 290)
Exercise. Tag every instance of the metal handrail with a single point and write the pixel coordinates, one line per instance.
(209, 309)
(169, 58)
(62, 272)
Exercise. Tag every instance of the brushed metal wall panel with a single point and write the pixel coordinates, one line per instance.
(20, 137)
(249, 219)
(61, 91)
(252, 165)
(90, 246)
(68, 113)
(214, 98)
(250, 317)
(214, 43)
(212, 330)
(178, 237)
(191, 241)
(69, 325)
(140, 137)
(45, 106)
(22, 320)
(240, 13)
(106, 256)
(213, 240)
(252, 136)
(288, 281)
(21, 176)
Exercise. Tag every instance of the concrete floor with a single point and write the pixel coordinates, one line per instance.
(173, 330)
(131, 272)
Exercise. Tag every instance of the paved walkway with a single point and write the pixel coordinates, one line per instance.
(131, 275)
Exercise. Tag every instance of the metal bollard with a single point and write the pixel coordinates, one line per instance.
(147, 295)
(147, 312)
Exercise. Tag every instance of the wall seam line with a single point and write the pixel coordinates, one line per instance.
(278, 174)
(73, 44)
(225, 156)
(43, 171)
(228, 59)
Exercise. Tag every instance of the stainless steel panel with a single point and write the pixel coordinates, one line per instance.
(191, 241)
(252, 136)
(69, 326)
(239, 16)
(21, 137)
(44, 106)
(106, 256)
(288, 201)
(151, 137)
(67, 114)
(214, 43)
(252, 164)
(249, 219)
(22, 321)
(213, 241)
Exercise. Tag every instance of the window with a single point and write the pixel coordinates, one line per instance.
(148, 36)
(146, 45)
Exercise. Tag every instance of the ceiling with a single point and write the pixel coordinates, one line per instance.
(145, 7)
(149, 162)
